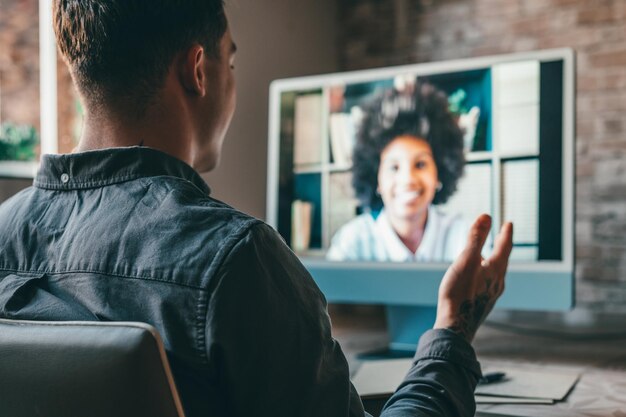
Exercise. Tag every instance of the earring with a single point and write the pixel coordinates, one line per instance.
(439, 186)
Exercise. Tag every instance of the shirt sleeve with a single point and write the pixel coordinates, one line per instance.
(354, 241)
(343, 245)
(268, 337)
(441, 382)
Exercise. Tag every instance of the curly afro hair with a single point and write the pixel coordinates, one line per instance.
(423, 114)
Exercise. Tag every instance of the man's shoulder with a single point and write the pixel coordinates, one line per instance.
(14, 205)
(213, 218)
(206, 230)
(157, 228)
(193, 209)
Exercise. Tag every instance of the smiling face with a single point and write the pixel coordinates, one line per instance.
(407, 178)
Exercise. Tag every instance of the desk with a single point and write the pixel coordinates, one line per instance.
(600, 392)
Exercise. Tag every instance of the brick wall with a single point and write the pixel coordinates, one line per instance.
(392, 32)
(70, 120)
(19, 73)
(19, 62)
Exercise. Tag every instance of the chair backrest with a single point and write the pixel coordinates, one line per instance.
(95, 369)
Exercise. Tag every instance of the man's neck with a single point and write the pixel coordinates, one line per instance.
(411, 230)
(158, 129)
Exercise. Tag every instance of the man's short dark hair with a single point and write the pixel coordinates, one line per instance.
(119, 51)
(424, 114)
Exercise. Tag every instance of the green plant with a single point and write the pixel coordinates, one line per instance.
(18, 142)
(456, 102)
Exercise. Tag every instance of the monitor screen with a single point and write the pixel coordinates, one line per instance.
(375, 176)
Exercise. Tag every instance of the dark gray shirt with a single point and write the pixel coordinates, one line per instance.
(131, 234)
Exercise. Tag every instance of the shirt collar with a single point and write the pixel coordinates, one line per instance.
(110, 166)
(397, 250)
(426, 249)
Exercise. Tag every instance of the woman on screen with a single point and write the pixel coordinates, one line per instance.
(408, 158)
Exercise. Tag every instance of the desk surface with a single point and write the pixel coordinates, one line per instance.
(601, 362)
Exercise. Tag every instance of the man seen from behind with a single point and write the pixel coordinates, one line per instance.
(125, 229)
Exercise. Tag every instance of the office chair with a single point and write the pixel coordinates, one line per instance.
(86, 369)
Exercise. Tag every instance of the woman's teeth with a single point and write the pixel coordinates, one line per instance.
(408, 196)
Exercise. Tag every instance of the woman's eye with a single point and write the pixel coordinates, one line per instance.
(420, 164)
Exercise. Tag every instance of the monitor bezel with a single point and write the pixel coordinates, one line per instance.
(338, 278)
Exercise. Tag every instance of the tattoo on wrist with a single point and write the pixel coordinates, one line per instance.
(470, 316)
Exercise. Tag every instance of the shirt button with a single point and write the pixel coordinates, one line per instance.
(65, 178)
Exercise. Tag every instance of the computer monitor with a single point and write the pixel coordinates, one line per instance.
(512, 140)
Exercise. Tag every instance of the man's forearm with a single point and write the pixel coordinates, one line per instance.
(441, 381)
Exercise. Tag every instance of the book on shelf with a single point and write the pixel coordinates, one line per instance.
(517, 130)
(520, 198)
(341, 138)
(308, 130)
(516, 107)
(301, 221)
(516, 83)
(343, 203)
(474, 192)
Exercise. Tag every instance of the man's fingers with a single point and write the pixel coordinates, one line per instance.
(503, 245)
(478, 234)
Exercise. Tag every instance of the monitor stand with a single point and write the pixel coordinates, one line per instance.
(405, 325)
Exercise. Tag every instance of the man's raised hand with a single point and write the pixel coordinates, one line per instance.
(472, 284)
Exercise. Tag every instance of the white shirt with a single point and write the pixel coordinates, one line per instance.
(366, 239)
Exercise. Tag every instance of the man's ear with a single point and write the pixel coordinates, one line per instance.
(192, 71)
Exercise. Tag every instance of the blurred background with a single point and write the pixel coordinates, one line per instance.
(282, 38)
